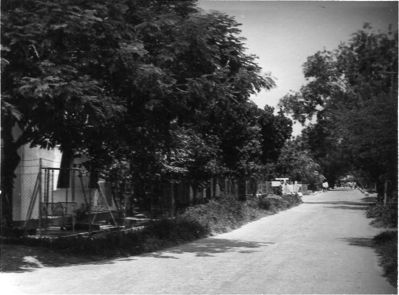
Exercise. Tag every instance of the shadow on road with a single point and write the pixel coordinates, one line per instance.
(361, 242)
(369, 199)
(348, 207)
(347, 203)
(344, 205)
(210, 246)
(19, 258)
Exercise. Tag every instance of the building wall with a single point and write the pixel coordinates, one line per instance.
(27, 176)
(77, 195)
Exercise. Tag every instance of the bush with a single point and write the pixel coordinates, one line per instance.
(220, 215)
(199, 221)
(386, 215)
(276, 203)
(157, 235)
(387, 247)
(268, 204)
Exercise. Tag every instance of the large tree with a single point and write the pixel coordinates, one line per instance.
(352, 97)
(54, 89)
(296, 162)
(128, 83)
(275, 129)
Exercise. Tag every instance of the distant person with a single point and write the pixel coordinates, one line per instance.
(325, 186)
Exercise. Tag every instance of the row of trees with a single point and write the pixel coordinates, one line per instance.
(146, 89)
(350, 108)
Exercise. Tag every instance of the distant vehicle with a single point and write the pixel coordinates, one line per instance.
(280, 181)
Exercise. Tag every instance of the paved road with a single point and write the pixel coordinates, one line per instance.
(321, 246)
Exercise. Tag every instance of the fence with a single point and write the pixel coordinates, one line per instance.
(52, 196)
(173, 195)
(26, 182)
(163, 198)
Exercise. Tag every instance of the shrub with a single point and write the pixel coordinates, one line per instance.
(387, 247)
(267, 204)
(276, 203)
(199, 221)
(219, 215)
(387, 215)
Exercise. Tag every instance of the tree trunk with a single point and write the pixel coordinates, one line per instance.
(9, 163)
(66, 161)
(380, 190)
(331, 182)
(242, 189)
(385, 192)
(172, 201)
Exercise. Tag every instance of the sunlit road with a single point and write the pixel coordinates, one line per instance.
(321, 246)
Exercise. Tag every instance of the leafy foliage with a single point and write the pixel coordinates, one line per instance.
(296, 163)
(145, 89)
(352, 97)
(275, 131)
(386, 244)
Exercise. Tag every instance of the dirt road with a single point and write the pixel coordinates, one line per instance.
(321, 246)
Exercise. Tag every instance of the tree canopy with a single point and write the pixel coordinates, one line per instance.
(351, 95)
(296, 162)
(154, 86)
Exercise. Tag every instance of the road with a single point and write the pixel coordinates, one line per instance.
(321, 246)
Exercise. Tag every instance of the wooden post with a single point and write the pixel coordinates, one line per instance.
(102, 194)
(385, 192)
(52, 186)
(40, 197)
(190, 194)
(73, 185)
(172, 200)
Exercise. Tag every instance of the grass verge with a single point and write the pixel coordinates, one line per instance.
(386, 244)
(384, 215)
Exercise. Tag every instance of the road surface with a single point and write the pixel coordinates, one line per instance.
(321, 246)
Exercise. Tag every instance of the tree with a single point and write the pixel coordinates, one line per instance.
(296, 163)
(64, 64)
(127, 83)
(327, 150)
(53, 55)
(275, 131)
(352, 95)
(196, 90)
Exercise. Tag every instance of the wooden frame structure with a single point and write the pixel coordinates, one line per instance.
(61, 213)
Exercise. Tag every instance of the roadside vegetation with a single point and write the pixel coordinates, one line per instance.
(349, 109)
(384, 215)
(216, 216)
(386, 245)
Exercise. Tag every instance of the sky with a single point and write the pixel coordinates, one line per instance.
(284, 33)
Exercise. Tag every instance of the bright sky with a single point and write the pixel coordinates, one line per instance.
(284, 33)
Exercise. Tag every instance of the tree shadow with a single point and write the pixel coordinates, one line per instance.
(369, 199)
(344, 205)
(348, 207)
(387, 255)
(20, 258)
(349, 203)
(211, 246)
(361, 242)
(341, 189)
